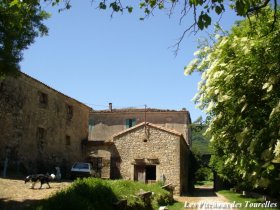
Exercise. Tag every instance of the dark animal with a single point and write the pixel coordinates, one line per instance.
(42, 178)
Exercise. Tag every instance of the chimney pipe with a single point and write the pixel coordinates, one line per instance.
(110, 107)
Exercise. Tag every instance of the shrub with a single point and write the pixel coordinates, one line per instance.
(96, 194)
(204, 174)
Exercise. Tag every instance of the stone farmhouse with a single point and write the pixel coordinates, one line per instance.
(40, 127)
(146, 145)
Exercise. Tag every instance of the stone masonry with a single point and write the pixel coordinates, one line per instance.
(103, 124)
(40, 127)
(146, 152)
(149, 144)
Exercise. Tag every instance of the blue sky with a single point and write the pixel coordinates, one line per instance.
(97, 59)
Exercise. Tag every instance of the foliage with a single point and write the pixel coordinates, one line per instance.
(21, 21)
(240, 91)
(207, 184)
(202, 9)
(277, 152)
(176, 206)
(204, 174)
(200, 148)
(200, 142)
(94, 193)
(20, 24)
(238, 198)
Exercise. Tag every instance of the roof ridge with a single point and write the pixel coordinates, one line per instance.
(137, 109)
(36, 80)
(149, 124)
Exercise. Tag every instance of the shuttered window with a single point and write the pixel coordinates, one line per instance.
(130, 123)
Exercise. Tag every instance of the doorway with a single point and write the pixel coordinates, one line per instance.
(151, 173)
(145, 173)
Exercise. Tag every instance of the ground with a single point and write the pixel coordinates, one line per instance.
(203, 196)
(15, 195)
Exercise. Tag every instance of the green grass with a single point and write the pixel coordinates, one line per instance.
(97, 194)
(176, 206)
(238, 198)
(204, 184)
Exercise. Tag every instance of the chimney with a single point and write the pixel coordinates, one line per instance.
(110, 107)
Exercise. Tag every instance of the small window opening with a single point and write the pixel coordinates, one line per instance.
(67, 140)
(43, 98)
(130, 122)
(69, 112)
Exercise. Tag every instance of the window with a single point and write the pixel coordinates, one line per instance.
(97, 166)
(130, 123)
(41, 136)
(115, 167)
(150, 172)
(69, 112)
(40, 133)
(90, 125)
(1, 85)
(43, 98)
(67, 140)
(82, 166)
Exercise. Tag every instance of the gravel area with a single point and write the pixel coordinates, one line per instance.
(16, 195)
(204, 198)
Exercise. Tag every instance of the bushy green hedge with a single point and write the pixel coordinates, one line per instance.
(204, 174)
(97, 194)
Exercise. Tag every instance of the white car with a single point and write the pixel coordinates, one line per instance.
(80, 169)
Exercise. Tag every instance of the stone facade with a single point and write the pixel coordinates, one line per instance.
(40, 127)
(148, 153)
(106, 123)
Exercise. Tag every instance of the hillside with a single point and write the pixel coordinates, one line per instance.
(200, 143)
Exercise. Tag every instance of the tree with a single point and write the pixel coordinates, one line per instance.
(20, 24)
(21, 21)
(200, 142)
(202, 10)
(240, 91)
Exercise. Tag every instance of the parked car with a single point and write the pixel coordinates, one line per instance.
(80, 169)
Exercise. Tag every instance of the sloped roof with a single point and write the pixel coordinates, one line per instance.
(26, 75)
(150, 125)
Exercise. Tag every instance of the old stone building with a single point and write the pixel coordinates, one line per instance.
(103, 124)
(125, 144)
(40, 127)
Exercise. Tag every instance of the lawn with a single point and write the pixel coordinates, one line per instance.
(97, 194)
(204, 184)
(246, 202)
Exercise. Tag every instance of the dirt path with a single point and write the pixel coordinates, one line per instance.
(15, 195)
(204, 198)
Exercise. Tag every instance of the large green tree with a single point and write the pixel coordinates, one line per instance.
(21, 21)
(240, 91)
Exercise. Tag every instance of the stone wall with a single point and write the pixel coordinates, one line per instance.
(40, 127)
(185, 167)
(150, 143)
(105, 124)
(101, 150)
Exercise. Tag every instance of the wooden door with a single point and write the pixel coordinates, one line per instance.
(139, 173)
